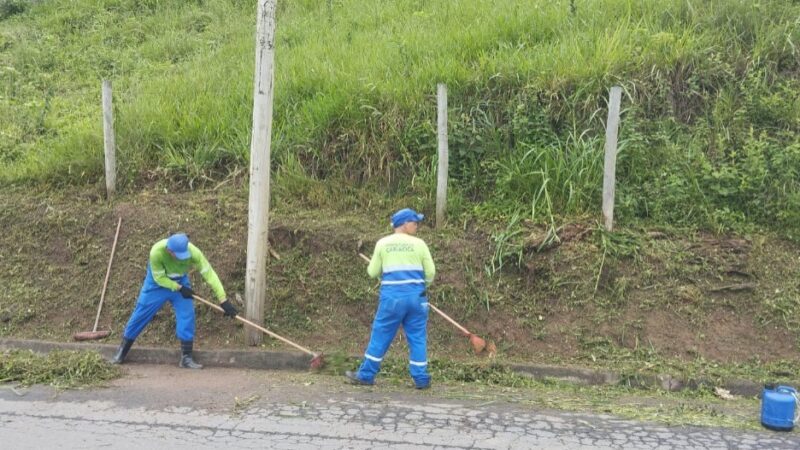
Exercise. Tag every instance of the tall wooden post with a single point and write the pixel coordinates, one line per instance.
(108, 140)
(610, 166)
(258, 206)
(441, 172)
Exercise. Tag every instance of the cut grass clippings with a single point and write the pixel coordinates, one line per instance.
(61, 369)
(635, 370)
(684, 408)
(487, 373)
(494, 382)
(488, 382)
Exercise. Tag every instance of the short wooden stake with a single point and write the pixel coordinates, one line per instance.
(610, 166)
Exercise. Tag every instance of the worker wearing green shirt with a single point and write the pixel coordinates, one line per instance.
(167, 279)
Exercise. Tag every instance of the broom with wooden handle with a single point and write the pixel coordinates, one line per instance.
(478, 343)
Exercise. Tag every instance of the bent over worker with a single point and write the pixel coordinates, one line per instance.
(405, 267)
(167, 280)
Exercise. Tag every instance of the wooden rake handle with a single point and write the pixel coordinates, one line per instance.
(257, 327)
(447, 318)
(108, 272)
(437, 310)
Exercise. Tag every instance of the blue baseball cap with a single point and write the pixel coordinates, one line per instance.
(406, 215)
(179, 245)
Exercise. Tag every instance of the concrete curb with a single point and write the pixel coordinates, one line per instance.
(269, 360)
(577, 375)
(249, 359)
(667, 382)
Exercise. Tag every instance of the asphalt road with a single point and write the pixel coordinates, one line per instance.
(166, 407)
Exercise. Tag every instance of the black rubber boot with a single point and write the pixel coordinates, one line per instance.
(119, 357)
(352, 377)
(186, 358)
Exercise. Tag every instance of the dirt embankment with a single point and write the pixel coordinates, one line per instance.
(722, 298)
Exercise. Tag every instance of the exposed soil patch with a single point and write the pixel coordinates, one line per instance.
(722, 298)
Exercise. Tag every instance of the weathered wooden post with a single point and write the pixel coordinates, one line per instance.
(441, 172)
(258, 206)
(610, 166)
(108, 140)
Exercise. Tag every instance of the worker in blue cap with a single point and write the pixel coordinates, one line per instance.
(405, 267)
(167, 280)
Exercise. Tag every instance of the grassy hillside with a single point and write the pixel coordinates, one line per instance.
(709, 134)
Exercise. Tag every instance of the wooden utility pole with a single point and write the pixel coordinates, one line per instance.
(610, 166)
(108, 140)
(441, 172)
(258, 206)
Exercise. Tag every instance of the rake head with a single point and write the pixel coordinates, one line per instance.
(477, 343)
(90, 335)
(318, 362)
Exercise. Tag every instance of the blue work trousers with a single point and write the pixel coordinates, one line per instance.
(393, 310)
(151, 298)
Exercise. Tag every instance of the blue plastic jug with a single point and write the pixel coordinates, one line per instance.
(778, 406)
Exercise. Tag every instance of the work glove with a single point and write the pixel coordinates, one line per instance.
(230, 310)
(186, 292)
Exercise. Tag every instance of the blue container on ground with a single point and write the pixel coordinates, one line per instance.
(778, 406)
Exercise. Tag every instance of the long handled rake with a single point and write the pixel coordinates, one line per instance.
(94, 334)
(317, 359)
(478, 343)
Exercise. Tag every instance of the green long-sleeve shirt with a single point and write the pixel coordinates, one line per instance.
(166, 268)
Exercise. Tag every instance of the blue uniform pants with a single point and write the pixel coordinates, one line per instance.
(393, 310)
(151, 298)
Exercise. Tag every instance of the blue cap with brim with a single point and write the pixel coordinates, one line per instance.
(406, 215)
(179, 245)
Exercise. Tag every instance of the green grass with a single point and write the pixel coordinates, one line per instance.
(710, 113)
(61, 369)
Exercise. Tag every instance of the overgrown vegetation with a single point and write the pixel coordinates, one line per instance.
(709, 135)
(61, 369)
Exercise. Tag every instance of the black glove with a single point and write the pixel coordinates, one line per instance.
(186, 292)
(230, 310)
